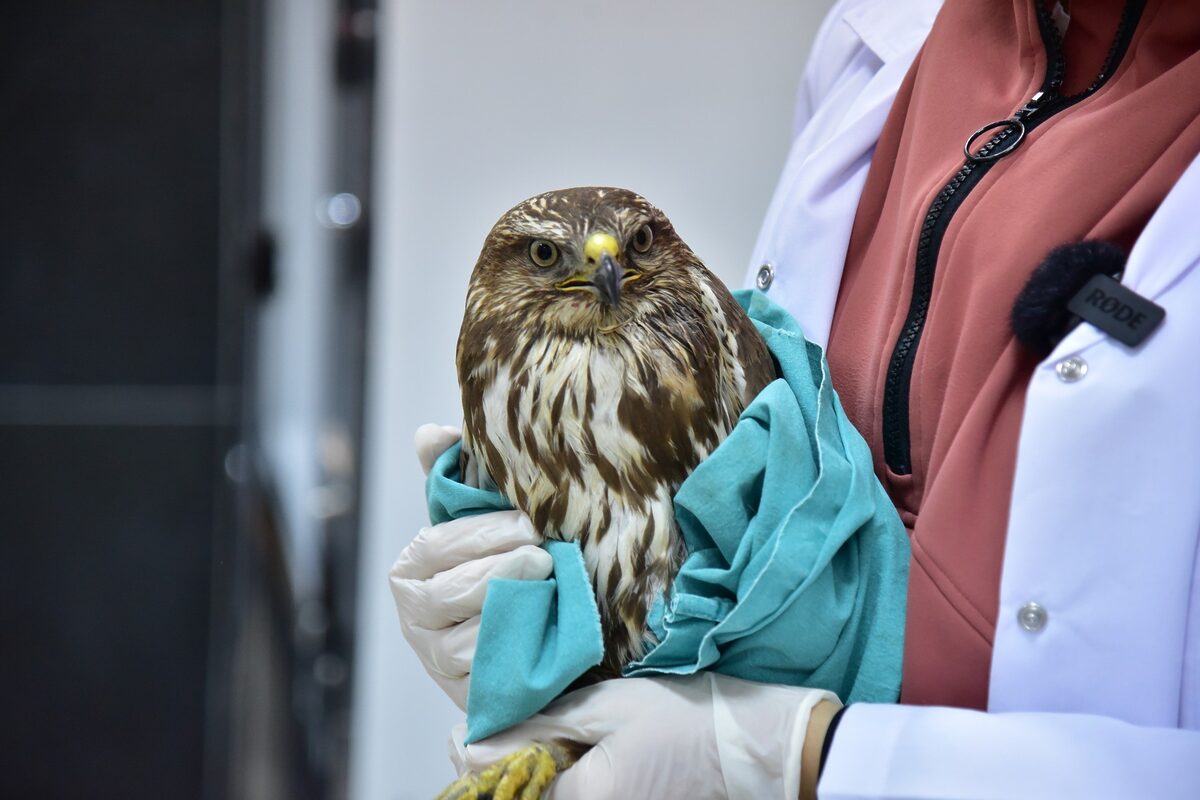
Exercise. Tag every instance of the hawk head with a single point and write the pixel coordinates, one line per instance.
(580, 260)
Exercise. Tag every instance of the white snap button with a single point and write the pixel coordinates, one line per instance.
(1071, 369)
(766, 275)
(1032, 617)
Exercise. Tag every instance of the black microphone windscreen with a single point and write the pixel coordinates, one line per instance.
(1040, 318)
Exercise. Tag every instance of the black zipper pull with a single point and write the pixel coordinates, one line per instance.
(1029, 109)
(1012, 126)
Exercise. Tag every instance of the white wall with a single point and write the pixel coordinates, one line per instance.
(688, 102)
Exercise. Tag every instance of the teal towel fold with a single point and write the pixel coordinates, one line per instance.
(796, 570)
(535, 637)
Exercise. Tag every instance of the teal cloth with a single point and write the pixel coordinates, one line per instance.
(796, 570)
(535, 637)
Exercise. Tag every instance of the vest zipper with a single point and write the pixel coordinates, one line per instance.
(1011, 134)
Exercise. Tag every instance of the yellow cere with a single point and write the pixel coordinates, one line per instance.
(600, 243)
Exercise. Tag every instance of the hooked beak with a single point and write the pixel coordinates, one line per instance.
(607, 279)
(605, 272)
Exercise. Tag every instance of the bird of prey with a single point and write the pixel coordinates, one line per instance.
(599, 362)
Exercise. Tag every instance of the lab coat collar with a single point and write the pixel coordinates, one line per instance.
(1160, 256)
(892, 30)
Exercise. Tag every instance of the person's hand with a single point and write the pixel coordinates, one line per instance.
(440, 579)
(701, 736)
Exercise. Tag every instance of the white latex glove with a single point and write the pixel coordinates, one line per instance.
(440, 580)
(701, 736)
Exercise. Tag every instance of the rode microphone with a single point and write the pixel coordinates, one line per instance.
(1081, 281)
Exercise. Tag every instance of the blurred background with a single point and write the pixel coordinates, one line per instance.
(235, 237)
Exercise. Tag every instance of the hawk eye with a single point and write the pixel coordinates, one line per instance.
(643, 239)
(543, 253)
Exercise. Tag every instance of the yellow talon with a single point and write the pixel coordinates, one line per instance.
(530, 773)
(520, 775)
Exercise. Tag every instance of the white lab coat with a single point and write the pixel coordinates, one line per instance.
(1104, 700)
